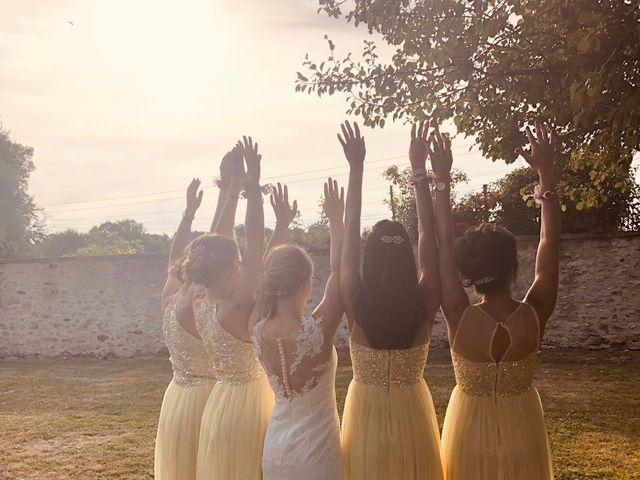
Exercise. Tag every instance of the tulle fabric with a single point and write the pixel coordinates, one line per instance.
(234, 423)
(390, 433)
(179, 430)
(495, 438)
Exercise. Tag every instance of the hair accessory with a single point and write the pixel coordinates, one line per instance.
(484, 280)
(198, 249)
(397, 239)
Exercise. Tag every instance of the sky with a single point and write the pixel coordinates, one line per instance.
(132, 99)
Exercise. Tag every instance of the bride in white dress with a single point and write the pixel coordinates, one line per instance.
(303, 437)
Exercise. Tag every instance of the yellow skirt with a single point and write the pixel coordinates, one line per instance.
(390, 434)
(495, 438)
(234, 423)
(178, 431)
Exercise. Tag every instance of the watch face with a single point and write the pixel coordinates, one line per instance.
(441, 186)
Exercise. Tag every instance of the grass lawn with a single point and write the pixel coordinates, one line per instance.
(96, 419)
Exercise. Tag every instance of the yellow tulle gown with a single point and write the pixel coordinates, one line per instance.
(389, 426)
(236, 415)
(184, 400)
(494, 427)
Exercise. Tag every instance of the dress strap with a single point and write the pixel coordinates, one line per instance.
(455, 335)
(538, 328)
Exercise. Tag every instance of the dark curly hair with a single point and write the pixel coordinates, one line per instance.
(390, 309)
(286, 269)
(206, 259)
(487, 257)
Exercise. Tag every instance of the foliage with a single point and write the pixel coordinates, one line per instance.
(505, 203)
(475, 208)
(493, 66)
(20, 225)
(404, 195)
(109, 238)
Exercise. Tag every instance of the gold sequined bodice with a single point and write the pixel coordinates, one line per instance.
(385, 368)
(505, 378)
(234, 361)
(190, 361)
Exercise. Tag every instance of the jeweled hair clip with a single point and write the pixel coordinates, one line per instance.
(397, 239)
(198, 250)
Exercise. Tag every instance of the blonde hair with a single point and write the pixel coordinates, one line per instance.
(206, 259)
(286, 268)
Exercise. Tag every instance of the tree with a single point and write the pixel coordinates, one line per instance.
(109, 238)
(508, 202)
(493, 66)
(61, 244)
(618, 213)
(20, 224)
(404, 195)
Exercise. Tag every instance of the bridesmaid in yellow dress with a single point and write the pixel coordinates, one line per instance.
(389, 428)
(193, 377)
(494, 427)
(237, 412)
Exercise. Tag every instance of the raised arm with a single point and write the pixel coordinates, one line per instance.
(350, 281)
(232, 174)
(453, 295)
(254, 227)
(429, 280)
(285, 214)
(544, 291)
(181, 238)
(330, 308)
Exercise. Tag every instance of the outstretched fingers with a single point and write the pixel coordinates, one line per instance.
(345, 133)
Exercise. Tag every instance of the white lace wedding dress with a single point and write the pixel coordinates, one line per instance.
(303, 437)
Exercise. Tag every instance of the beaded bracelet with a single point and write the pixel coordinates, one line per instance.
(418, 176)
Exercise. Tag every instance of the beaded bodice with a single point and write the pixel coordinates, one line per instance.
(387, 368)
(505, 378)
(233, 360)
(190, 361)
(477, 371)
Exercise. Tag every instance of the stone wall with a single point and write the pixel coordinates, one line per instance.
(109, 306)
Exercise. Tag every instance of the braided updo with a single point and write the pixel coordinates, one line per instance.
(206, 260)
(286, 269)
(487, 257)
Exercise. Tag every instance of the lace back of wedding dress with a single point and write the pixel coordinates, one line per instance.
(296, 363)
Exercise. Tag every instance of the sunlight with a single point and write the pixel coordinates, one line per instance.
(158, 56)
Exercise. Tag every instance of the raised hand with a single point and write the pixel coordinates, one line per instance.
(419, 146)
(252, 159)
(542, 150)
(352, 144)
(440, 154)
(232, 165)
(194, 198)
(333, 204)
(280, 203)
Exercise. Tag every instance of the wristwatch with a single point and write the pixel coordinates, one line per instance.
(442, 186)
